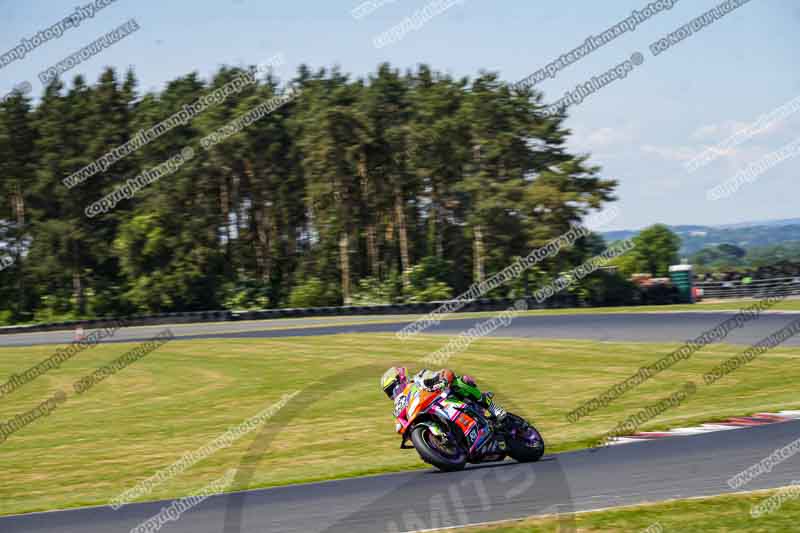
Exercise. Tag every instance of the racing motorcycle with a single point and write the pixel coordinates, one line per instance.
(448, 433)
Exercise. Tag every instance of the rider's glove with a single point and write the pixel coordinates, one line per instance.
(448, 376)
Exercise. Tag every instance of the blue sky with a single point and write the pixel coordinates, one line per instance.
(641, 130)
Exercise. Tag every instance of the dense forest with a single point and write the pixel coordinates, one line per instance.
(402, 186)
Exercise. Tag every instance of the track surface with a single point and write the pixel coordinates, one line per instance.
(679, 467)
(630, 327)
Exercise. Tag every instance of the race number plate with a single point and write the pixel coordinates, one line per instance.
(399, 404)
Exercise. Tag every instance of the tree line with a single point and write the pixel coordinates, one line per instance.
(399, 186)
(783, 258)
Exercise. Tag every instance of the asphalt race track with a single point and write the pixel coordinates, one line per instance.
(679, 467)
(626, 327)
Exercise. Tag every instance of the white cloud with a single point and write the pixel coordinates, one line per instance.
(725, 137)
(717, 132)
(601, 139)
(605, 137)
(670, 153)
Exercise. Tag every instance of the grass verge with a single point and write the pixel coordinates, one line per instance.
(721, 514)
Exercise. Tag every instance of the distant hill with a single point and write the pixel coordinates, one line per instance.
(745, 235)
(768, 223)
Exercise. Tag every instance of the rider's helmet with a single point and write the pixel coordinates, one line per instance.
(394, 381)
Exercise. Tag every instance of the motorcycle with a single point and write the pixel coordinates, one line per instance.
(448, 433)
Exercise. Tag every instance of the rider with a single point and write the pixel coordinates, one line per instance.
(395, 379)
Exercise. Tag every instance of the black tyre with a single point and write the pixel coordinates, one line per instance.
(524, 443)
(449, 458)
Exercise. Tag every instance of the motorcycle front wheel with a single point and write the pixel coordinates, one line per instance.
(443, 453)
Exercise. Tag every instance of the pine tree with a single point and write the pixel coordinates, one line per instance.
(17, 137)
(333, 144)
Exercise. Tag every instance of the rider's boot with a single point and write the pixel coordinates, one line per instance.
(497, 412)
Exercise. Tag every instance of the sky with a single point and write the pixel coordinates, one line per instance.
(641, 130)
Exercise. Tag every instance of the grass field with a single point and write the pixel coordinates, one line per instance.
(187, 393)
(721, 514)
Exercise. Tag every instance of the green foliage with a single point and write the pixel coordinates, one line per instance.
(247, 294)
(607, 288)
(655, 251)
(770, 255)
(427, 283)
(428, 280)
(163, 275)
(628, 264)
(732, 251)
(372, 291)
(52, 309)
(724, 256)
(431, 292)
(659, 295)
(314, 293)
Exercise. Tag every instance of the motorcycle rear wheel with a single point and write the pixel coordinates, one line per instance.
(427, 448)
(524, 443)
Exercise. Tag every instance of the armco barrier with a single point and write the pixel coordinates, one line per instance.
(559, 301)
(755, 289)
